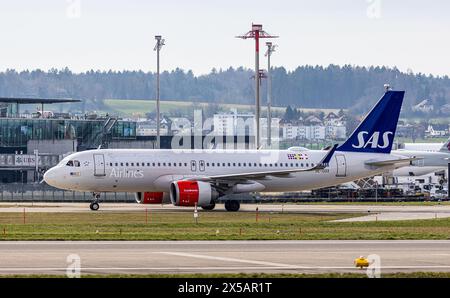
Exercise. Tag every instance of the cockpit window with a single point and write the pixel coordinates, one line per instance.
(70, 163)
(76, 163)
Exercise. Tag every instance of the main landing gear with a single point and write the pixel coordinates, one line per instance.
(232, 206)
(209, 207)
(95, 203)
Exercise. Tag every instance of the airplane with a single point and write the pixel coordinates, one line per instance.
(430, 161)
(201, 177)
(430, 147)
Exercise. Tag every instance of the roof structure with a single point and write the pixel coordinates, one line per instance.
(26, 100)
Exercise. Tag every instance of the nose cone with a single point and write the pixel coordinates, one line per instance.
(50, 177)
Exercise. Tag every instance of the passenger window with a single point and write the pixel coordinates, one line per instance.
(117, 164)
(185, 164)
(229, 164)
(239, 164)
(223, 164)
(148, 164)
(121, 164)
(180, 164)
(170, 164)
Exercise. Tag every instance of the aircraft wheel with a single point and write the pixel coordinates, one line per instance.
(209, 207)
(94, 206)
(232, 206)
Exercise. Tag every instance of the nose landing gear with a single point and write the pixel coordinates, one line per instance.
(95, 203)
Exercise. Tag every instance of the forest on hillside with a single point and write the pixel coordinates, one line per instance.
(350, 87)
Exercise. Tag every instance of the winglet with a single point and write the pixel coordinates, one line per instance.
(326, 160)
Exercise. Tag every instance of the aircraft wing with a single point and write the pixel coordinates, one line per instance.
(391, 162)
(263, 174)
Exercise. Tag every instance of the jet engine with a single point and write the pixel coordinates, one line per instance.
(152, 197)
(190, 193)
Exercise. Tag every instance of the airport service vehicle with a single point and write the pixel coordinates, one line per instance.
(428, 161)
(201, 177)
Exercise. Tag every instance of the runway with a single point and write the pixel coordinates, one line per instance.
(374, 212)
(158, 257)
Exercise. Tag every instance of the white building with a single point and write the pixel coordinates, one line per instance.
(435, 130)
(148, 128)
(233, 124)
(303, 132)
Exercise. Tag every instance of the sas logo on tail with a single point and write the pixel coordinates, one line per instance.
(373, 141)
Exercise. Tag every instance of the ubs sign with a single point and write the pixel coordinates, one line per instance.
(24, 160)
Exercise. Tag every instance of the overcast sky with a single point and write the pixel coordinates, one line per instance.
(119, 34)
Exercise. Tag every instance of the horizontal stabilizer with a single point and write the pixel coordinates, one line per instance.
(391, 162)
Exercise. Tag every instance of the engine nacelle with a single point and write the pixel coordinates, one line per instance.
(151, 197)
(190, 193)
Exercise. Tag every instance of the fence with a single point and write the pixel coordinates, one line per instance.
(18, 192)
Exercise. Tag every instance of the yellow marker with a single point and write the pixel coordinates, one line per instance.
(361, 262)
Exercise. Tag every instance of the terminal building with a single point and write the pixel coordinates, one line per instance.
(48, 137)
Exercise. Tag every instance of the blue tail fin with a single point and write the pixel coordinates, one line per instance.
(375, 134)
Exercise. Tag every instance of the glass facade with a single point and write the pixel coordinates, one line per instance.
(15, 132)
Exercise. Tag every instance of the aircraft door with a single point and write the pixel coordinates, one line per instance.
(99, 165)
(201, 165)
(193, 166)
(341, 165)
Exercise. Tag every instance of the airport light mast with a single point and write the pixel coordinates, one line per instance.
(159, 44)
(257, 33)
(270, 49)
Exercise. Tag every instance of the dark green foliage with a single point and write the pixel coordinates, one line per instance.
(355, 88)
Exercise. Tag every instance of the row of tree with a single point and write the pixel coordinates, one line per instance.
(307, 86)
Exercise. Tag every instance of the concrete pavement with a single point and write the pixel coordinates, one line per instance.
(220, 256)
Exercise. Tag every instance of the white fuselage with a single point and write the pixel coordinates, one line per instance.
(429, 162)
(116, 170)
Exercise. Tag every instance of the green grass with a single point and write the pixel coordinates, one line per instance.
(140, 107)
(248, 275)
(211, 226)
